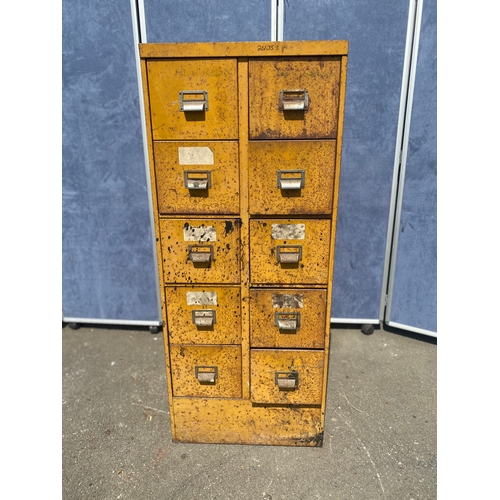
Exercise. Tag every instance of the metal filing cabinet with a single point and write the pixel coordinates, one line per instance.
(244, 148)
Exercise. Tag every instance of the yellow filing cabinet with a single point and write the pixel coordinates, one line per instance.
(244, 149)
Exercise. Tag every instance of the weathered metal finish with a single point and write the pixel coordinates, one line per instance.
(238, 421)
(315, 158)
(227, 326)
(217, 77)
(185, 358)
(313, 266)
(264, 304)
(269, 77)
(173, 159)
(265, 363)
(211, 238)
(181, 238)
(245, 49)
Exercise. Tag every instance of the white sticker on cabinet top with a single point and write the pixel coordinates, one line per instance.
(201, 298)
(196, 156)
(288, 231)
(199, 233)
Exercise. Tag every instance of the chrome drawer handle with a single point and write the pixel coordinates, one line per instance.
(203, 317)
(290, 179)
(287, 320)
(293, 100)
(289, 254)
(200, 253)
(197, 179)
(206, 374)
(193, 100)
(287, 381)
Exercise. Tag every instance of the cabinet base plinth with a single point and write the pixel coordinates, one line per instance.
(237, 421)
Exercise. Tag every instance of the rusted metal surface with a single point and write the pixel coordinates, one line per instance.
(217, 77)
(315, 158)
(220, 159)
(240, 422)
(315, 245)
(319, 76)
(184, 360)
(266, 364)
(245, 301)
(224, 301)
(310, 304)
(182, 238)
(244, 49)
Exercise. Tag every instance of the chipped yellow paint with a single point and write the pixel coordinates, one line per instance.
(266, 363)
(222, 197)
(217, 77)
(317, 161)
(185, 359)
(319, 76)
(309, 304)
(238, 421)
(312, 268)
(225, 266)
(244, 49)
(243, 404)
(182, 329)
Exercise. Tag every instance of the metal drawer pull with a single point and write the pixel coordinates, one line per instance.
(197, 179)
(193, 100)
(206, 374)
(201, 253)
(286, 381)
(287, 320)
(203, 317)
(289, 254)
(294, 100)
(290, 179)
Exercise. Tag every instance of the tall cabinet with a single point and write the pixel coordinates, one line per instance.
(244, 147)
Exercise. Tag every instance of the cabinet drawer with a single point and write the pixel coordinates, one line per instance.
(288, 318)
(208, 315)
(289, 251)
(286, 376)
(294, 98)
(197, 177)
(200, 250)
(193, 99)
(206, 371)
(291, 177)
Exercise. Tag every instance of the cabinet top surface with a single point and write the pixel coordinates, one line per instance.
(244, 49)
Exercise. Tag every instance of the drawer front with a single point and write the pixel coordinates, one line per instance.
(206, 371)
(294, 98)
(289, 318)
(285, 251)
(193, 99)
(200, 250)
(291, 177)
(197, 177)
(203, 315)
(286, 377)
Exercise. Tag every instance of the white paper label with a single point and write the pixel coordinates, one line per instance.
(201, 298)
(195, 156)
(199, 233)
(288, 231)
(294, 301)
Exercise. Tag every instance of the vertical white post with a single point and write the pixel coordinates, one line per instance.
(277, 20)
(139, 29)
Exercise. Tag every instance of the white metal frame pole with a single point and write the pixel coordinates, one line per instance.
(277, 20)
(139, 30)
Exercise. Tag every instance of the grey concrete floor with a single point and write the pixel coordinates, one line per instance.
(380, 428)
